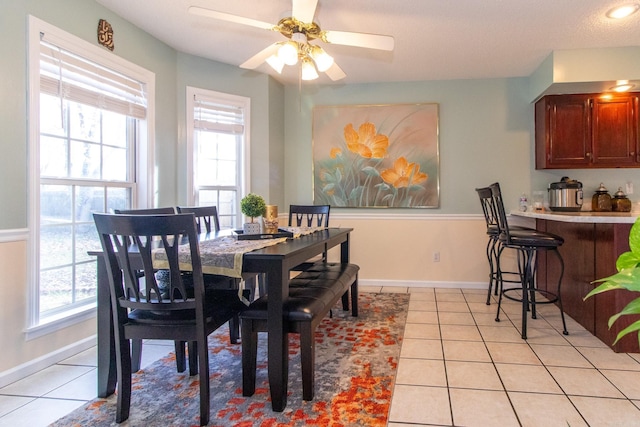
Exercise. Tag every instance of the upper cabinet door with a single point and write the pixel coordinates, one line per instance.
(563, 132)
(587, 131)
(615, 131)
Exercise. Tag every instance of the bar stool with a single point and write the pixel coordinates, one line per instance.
(493, 244)
(528, 243)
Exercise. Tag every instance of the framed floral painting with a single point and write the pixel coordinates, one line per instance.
(376, 156)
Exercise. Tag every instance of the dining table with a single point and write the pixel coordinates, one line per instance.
(275, 262)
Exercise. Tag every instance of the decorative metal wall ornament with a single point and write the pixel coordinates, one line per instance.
(105, 34)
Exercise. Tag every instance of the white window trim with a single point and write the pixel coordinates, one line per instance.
(145, 168)
(237, 100)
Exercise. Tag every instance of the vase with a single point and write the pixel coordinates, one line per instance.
(270, 219)
(251, 228)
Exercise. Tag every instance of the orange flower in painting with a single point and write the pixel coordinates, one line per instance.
(366, 142)
(403, 174)
(335, 152)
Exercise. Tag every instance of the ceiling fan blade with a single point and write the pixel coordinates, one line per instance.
(195, 10)
(335, 73)
(259, 57)
(303, 10)
(371, 41)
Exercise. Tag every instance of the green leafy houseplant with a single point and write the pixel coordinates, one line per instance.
(627, 277)
(253, 206)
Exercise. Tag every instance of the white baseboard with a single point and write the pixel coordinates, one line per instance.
(421, 284)
(35, 365)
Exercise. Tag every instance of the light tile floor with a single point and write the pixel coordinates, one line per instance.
(458, 367)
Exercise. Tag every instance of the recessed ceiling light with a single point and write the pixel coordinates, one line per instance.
(622, 86)
(623, 11)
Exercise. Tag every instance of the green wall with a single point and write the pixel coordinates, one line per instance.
(485, 126)
(486, 130)
(484, 134)
(173, 71)
(266, 120)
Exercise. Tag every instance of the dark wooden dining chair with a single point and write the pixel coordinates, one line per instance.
(142, 311)
(207, 221)
(136, 345)
(309, 216)
(205, 215)
(150, 211)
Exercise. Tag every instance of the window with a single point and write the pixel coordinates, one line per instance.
(89, 150)
(217, 143)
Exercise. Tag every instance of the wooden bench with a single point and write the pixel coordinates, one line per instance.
(312, 294)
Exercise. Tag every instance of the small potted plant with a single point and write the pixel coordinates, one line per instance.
(627, 277)
(252, 206)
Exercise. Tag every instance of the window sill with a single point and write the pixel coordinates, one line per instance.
(60, 321)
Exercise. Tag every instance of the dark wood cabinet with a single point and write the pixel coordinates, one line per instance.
(587, 131)
(590, 251)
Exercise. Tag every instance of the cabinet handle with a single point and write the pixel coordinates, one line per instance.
(588, 154)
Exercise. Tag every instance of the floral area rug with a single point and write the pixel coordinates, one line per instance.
(356, 361)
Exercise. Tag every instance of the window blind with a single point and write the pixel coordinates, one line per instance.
(70, 76)
(216, 117)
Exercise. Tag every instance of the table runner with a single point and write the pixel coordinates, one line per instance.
(222, 255)
(301, 231)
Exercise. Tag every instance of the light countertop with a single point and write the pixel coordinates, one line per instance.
(582, 216)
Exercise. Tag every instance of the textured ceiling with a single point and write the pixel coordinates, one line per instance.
(434, 39)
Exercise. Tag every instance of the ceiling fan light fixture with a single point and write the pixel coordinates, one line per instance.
(276, 63)
(299, 29)
(308, 70)
(323, 60)
(623, 11)
(288, 53)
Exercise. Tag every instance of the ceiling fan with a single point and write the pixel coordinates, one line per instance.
(300, 31)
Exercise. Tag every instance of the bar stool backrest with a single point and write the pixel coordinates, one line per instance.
(500, 214)
(486, 201)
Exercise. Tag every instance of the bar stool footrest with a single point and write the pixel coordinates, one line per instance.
(544, 293)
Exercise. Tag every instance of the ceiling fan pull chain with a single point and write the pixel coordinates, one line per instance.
(300, 89)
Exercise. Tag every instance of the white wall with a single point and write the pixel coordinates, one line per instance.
(398, 250)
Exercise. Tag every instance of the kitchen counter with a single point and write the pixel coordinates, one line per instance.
(592, 243)
(582, 216)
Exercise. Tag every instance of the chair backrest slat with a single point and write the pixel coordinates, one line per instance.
(309, 212)
(204, 214)
(151, 211)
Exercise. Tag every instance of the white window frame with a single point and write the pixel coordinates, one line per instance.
(244, 164)
(144, 193)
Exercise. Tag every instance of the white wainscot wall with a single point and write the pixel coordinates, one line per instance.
(398, 250)
(20, 356)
